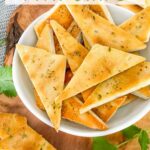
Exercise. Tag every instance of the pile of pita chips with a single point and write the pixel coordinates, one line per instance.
(87, 69)
(16, 134)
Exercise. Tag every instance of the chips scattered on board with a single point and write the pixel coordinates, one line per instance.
(47, 73)
(100, 64)
(25, 139)
(98, 30)
(10, 124)
(139, 25)
(119, 85)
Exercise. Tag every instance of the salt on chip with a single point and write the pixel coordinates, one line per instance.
(100, 64)
(119, 85)
(96, 29)
(25, 139)
(47, 73)
(10, 124)
(139, 25)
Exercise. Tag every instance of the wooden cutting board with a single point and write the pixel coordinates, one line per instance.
(19, 21)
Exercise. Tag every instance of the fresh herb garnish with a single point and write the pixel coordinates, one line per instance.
(6, 83)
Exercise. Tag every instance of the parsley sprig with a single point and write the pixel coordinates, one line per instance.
(6, 82)
(129, 133)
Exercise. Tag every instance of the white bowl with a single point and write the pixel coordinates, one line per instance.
(126, 115)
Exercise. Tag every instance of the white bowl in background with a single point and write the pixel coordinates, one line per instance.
(124, 117)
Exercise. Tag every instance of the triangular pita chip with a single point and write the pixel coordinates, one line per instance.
(96, 29)
(106, 111)
(130, 98)
(100, 64)
(47, 73)
(102, 11)
(46, 39)
(72, 49)
(139, 25)
(26, 139)
(133, 8)
(10, 124)
(143, 92)
(119, 85)
(60, 14)
(70, 111)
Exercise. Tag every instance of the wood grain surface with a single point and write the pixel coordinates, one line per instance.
(19, 21)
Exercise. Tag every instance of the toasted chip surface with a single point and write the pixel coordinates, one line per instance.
(61, 14)
(96, 29)
(100, 64)
(26, 139)
(47, 73)
(70, 111)
(139, 25)
(10, 124)
(130, 98)
(46, 39)
(119, 85)
(72, 49)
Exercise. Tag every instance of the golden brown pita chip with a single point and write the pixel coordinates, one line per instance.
(130, 98)
(119, 85)
(46, 39)
(10, 124)
(60, 14)
(139, 25)
(72, 49)
(106, 111)
(47, 73)
(96, 29)
(100, 64)
(143, 92)
(70, 111)
(25, 139)
(134, 8)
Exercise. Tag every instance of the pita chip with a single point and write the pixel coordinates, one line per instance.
(46, 39)
(72, 49)
(70, 111)
(130, 98)
(26, 139)
(124, 83)
(100, 64)
(106, 111)
(143, 92)
(47, 73)
(96, 29)
(60, 14)
(10, 124)
(139, 25)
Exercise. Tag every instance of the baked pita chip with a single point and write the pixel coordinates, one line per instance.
(106, 111)
(26, 139)
(72, 49)
(133, 8)
(124, 83)
(96, 29)
(70, 111)
(46, 39)
(143, 92)
(139, 25)
(47, 73)
(130, 98)
(10, 124)
(102, 11)
(100, 64)
(60, 14)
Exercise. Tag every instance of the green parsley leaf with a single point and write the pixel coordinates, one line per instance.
(100, 143)
(144, 140)
(131, 131)
(6, 83)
